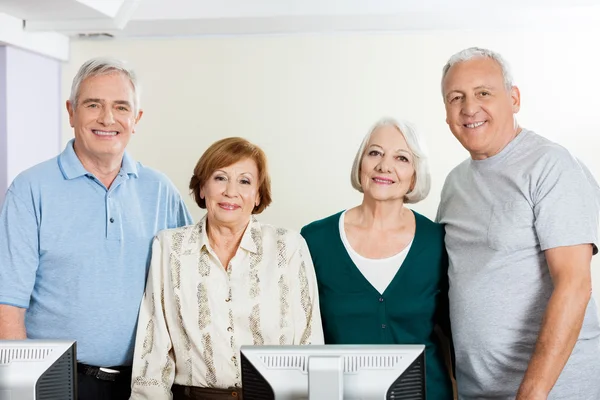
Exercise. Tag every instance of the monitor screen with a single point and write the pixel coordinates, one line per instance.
(38, 370)
(333, 372)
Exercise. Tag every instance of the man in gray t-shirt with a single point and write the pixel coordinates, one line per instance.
(521, 217)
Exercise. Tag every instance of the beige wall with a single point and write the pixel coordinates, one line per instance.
(309, 99)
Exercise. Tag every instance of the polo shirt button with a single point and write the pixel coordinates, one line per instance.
(382, 326)
(381, 299)
(112, 220)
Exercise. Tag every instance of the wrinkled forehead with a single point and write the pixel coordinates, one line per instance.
(245, 165)
(480, 71)
(113, 85)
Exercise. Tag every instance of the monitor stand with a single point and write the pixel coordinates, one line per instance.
(325, 378)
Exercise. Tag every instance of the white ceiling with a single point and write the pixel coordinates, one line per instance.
(190, 17)
(134, 18)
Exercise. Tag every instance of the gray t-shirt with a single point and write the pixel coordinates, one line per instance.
(501, 213)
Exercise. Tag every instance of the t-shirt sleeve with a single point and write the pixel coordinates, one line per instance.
(567, 207)
(19, 254)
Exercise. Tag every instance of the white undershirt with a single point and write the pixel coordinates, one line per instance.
(379, 272)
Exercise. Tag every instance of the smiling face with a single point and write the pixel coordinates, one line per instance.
(479, 109)
(103, 118)
(386, 169)
(231, 193)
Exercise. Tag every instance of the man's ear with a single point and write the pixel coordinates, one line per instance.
(71, 111)
(137, 119)
(515, 96)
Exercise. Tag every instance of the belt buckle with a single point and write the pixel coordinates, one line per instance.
(107, 374)
(109, 371)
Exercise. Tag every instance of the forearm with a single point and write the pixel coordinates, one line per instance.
(560, 329)
(12, 323)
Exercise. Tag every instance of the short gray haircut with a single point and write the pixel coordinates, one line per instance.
(417, 148)
(104, 66)
(477, 52)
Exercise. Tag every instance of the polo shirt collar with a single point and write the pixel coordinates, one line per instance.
(72, 168)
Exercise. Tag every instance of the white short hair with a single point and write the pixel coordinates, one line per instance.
(104, 66)
(417, 148)
(477, 52)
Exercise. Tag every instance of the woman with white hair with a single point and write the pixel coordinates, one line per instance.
(381, 267)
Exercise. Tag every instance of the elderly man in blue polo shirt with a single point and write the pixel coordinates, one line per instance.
(76, 230)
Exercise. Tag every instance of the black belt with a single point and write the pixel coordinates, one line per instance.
(111, 374)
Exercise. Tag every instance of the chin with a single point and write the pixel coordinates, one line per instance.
(230, 218)
(379, 197)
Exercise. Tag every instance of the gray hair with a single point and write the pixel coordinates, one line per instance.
(416, 147)
(477, 52)
(105, 66)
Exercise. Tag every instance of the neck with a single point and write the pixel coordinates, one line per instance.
(482, 156)
(225, 236)
(381, 215)
(105, 169)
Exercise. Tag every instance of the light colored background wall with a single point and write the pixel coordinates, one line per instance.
(30, 95)
(309, 99)
(34, 91)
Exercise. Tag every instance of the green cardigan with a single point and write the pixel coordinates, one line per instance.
(354, 312)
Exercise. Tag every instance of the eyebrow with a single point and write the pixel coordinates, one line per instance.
(475, 88)
(243, 173)
(397, 151)
(93, 100)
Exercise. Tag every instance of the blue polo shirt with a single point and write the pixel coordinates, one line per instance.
(76, 255)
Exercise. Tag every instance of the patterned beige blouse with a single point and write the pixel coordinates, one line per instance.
(195, 315)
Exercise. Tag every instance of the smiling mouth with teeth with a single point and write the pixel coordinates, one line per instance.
(105, 133)
(385, 181)
(474, 124)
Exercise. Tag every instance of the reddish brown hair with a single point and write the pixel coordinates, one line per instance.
(224, 153)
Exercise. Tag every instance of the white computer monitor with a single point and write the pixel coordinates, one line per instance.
(333, 372)
(38, 370)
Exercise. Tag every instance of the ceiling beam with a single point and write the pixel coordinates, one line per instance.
(50, 44)
(96, 25)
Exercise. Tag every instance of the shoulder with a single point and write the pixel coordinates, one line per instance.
(151, 176)
(427, 227)
(550, 167)
(458, 171)
(321, 226)
(540, 154)
(455, 176)
(43, 174)
(291, 239)
(146, 173)
(167, 236)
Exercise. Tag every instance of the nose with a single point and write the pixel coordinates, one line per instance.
(230, 189)
(106, 117)
(383, 165)
(470, 106)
